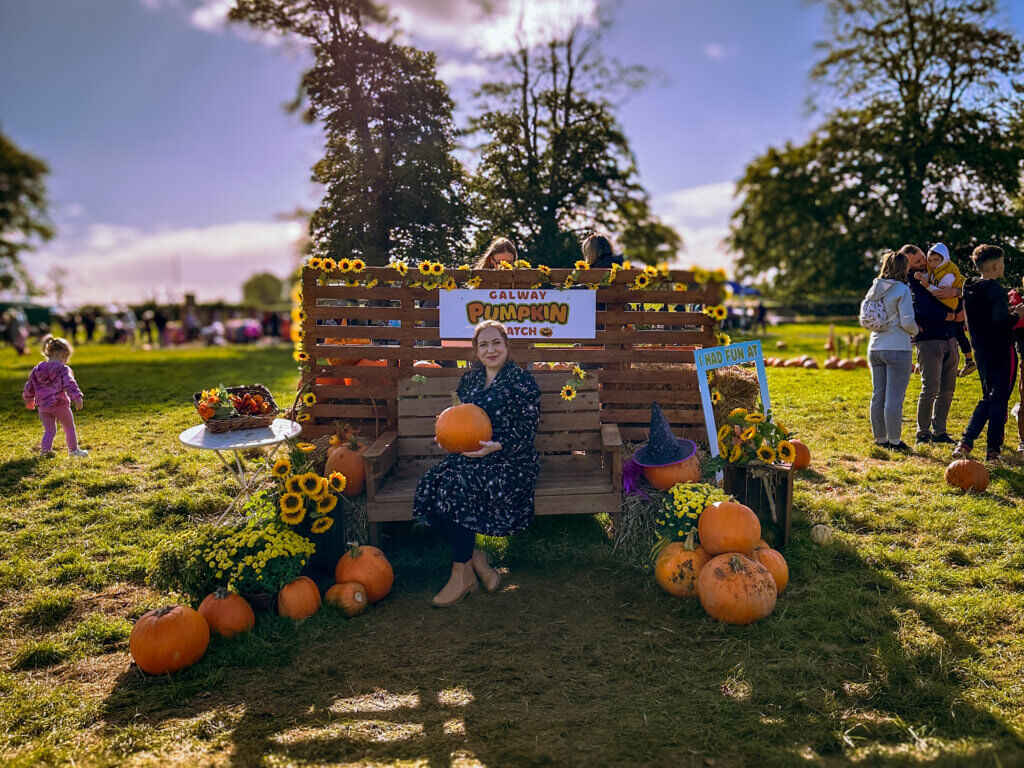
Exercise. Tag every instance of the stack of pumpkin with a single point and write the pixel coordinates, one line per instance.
(834, 363)
(733, 572)
(176, 636)
(804, 361)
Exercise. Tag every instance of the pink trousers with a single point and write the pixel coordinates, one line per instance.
(50, 417)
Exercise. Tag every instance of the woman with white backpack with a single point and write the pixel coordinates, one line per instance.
(888, 312)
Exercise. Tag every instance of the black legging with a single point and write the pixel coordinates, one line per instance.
(459, 538)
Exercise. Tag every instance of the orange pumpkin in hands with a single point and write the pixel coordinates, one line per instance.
(461, 428)
(169, 639)
(298, 599)
(727, 526)
(227, 614)
(678, 565)
(735, 589)
(350, 597)
(366, 565)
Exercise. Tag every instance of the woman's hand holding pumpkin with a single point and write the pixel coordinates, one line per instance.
(486, 447)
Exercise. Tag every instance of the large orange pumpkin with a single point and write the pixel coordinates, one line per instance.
(349, 597)
(344, 342)
(677, 567)
(366, 565)
(347, 458)
(735, 589)
(227, 614)
(298, 599)
(726, 526)
(773, 560)
(802, 460)
(685, 471)
(967, 475)
(461, 428)
(168, 639)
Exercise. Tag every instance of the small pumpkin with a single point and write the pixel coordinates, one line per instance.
(685, 471)
(168, 639)
(678, 564)
(967, 475)
(821, 534)
(773, 560)
(227, 614)
(802, 460)
(347, 459)
(298, 599)
(736, 589)
(462, 428)
(350, 597)
(727, 526)
(368, 566)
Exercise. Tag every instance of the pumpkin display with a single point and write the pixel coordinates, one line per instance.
(821, 534)
(344, 342)
(967, 475)
(461, 428)
(168, 639)
(736, 589)
(794, 362)
(802, 460)
(727, 526)
(773, 560)
(831, 363)
(347, 458)
(860, 361)
(685, 471)
(227, 614)
(846, 364)
(365, 362)
(366, 565)
(677, 566)
(350, 597)
(810, 363)
(298, 599)
(426, 364)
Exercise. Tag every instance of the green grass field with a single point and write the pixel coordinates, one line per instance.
(900, 643)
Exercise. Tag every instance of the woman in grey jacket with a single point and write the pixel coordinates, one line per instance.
(890, 353)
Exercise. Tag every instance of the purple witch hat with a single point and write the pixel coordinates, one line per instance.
(662, 447)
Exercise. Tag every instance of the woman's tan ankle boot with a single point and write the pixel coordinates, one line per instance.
(489, 577)
(461, 583)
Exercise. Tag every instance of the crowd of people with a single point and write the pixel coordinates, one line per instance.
(920, 299)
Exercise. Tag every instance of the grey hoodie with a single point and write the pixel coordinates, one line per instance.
(898, 301)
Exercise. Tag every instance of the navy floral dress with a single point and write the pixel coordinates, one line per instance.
(492, 495)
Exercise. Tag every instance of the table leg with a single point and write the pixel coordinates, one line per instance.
(238, 474)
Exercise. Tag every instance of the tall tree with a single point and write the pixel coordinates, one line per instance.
(24, 215)
(263, 289)
(921, 140)
(554, 162)
(393, 186)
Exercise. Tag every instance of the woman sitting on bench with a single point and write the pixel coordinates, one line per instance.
(490, 490)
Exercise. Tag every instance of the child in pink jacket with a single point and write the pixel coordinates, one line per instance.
(52, 387)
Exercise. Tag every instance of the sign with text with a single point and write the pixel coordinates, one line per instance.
(719, 357)
(526, 312)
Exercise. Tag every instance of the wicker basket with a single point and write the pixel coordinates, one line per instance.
(247, 421)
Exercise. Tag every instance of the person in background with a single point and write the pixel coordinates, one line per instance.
(599, 254)
(943, 273)
(51, 387)
(501, 249)
(991, 325)
(1017, 299)
(89, 324)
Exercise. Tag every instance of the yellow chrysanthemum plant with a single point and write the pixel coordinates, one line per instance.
(753, 437)
(681, 506)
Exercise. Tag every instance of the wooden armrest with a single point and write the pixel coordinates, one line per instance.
(380, 445)
(379, 458)
(611, 445)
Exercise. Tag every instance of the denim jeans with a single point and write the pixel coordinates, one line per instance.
(890, 374)
(997, 371)
(938, 359)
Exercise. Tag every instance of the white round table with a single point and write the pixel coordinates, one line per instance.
(199, 437)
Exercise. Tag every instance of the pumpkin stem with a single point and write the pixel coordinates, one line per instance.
(689, 544)
(164, 610)
(455, 399)
(353, 549)
(221, 593)
(736, 563)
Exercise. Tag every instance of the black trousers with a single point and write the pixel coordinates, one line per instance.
(459, 538)
(962, 340)
(997, 370)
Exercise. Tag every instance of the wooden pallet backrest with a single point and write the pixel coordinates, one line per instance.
(564, 427)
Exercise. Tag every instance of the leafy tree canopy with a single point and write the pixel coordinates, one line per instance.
(24, 216)
(263, 289)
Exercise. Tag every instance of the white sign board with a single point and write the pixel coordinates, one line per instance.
(526, 312)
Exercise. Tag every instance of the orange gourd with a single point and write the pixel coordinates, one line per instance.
(685, 471)
(773, 560)
(350, 597)
(802, 460)
(347, 459)
(461, 428)
(227, 614)
(168, 639)
(677, 567)
(967, 475)
(726, 526)
(735, 589)
(298, 599)
(366, 565)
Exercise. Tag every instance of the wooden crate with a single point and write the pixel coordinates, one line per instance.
(768, 490)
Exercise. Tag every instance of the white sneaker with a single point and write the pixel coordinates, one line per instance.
(80, 453)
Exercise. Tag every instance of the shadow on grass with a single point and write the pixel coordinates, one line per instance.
(14, 472)
(578, 661)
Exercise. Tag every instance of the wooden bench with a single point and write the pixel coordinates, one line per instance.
(580, 459)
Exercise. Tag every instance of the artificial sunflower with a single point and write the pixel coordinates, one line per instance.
(449, 284)
(627, 264)
(329, 264)
(300, 356)
(294, 518)
(473, 282)
(642, 281)
(578, 372)
(309, 399)
(326, 503)
(766, 454)
(737, 451)
(545, 270)
(424, 267)
(723, 449)
(581, 265)
(568, 393)
(748, 433)
(301, 316)
(323, 525)
(337, 482)
(724, 339)
(437, 268)
(716, 397)
(679, 286)
(754, 418)
(293, 484)
(305, 447)
(314, 262)
(309, 483)
(504, 265)
(700, 275)
(304, 417)
(290, 503)
(321, 490)
(649, 270)
(787, 452)
(400, 267)
(464, 267)
(522, 264)
(282, 468)
(719, 312)
(737, 412)
(345, 265)
(719, 275)
(358, 265)
(724, 431)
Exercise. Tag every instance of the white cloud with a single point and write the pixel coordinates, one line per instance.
(719, 51)
(701, 215)
(211, 15)
(453, 71)
(114, 263)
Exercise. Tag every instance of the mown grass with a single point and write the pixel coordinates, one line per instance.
(901, 643)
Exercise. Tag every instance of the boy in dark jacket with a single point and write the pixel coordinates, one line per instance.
(990, 322)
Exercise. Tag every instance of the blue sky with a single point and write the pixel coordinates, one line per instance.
(173, 162)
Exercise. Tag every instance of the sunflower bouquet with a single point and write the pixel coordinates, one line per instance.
(301, 494)
(681, 506)
(751, 437)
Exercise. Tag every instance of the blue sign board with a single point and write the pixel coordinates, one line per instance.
(719, 357)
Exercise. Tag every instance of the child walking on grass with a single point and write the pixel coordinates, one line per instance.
(51, 387)
(943, 273)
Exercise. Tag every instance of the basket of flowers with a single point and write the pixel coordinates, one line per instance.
(227, 409)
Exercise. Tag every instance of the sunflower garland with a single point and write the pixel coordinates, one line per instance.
(309, 399)
(568, 393)
(345, 265)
